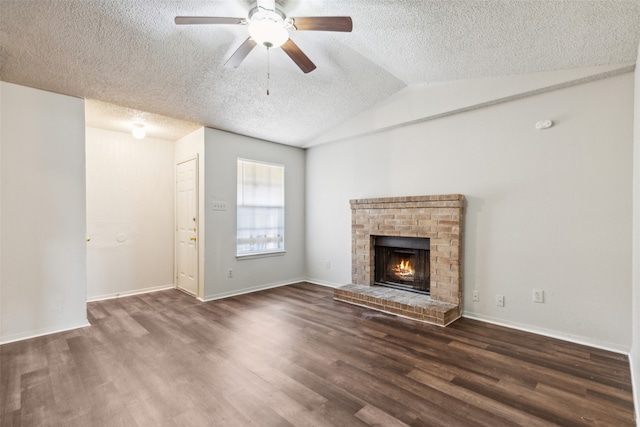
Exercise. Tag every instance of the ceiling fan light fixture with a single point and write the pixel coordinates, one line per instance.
(267, 29)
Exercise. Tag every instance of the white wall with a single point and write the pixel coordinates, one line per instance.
(130, 213)
(544, 209)
(186, 148)
(634, 356)
(222, 150)
(43, 226)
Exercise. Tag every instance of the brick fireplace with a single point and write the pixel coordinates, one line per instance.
(438, 218)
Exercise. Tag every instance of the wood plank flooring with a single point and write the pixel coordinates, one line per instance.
(292, 356)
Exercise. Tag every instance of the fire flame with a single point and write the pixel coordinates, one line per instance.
(404, 269)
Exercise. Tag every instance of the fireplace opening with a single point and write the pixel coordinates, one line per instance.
(402, 262)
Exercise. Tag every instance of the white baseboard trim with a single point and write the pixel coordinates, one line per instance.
(250, 290)
(323, 283)
(41, 332)
(551, 334)
(131, 293)
(526, 328)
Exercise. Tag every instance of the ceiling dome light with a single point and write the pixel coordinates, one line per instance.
(267, 29)
(138, 131)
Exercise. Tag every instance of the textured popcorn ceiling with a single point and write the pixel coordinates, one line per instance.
(130, 53)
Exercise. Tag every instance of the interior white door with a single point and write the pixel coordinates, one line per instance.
(187, 226)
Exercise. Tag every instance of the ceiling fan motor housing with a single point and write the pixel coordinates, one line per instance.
(268, 27)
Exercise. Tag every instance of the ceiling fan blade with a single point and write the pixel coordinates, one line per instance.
(238, 56)
(189, 20)
(324, 23)
(240, 53)
(298, 56)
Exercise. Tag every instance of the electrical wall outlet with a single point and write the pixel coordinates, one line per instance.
(500, 300)
(230, 273)
(327, 264)
(538, 295)
(476, 296)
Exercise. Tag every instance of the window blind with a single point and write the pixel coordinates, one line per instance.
(260, 213)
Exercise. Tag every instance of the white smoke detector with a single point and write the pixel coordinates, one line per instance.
(544, 124)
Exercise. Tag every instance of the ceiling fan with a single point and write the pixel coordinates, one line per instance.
(269, 26)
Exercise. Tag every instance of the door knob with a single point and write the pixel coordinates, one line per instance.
(192, 238)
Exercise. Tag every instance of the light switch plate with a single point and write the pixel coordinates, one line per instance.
(218, 205)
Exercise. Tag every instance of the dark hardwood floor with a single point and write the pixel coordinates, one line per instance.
(293, 356)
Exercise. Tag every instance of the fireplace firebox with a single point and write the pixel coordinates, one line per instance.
(402, 262)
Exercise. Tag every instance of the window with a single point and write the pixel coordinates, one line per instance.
(260, 223)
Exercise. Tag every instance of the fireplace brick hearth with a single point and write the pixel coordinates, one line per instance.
(439, 218)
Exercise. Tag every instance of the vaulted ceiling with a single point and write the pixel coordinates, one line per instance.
(131, 53)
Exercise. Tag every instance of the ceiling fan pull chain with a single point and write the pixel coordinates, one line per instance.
(268, 69)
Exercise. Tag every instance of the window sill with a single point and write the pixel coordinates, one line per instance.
(259, 255)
